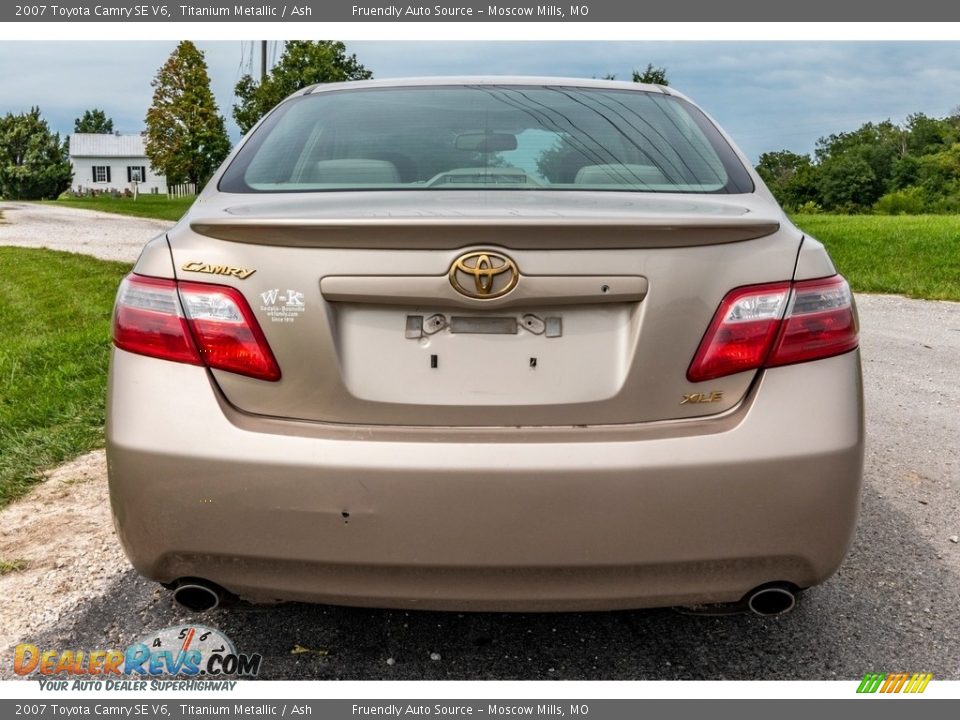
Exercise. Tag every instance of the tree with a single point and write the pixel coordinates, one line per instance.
(939, 170)
(778, 167)
(929, 135)
(849, 183)
(186, 136)
(652, 75)
(304, 62)
(887, 168)
(93, 121)
(33, 162)
(879, 144)
(905, 172)
(792, 178)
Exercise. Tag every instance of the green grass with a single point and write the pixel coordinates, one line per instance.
(12, 566)
(159, 207)
(54, 346)
(913, 255)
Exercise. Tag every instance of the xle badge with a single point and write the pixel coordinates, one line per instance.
(704, 397)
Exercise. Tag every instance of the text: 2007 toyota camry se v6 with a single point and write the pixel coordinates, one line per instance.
(486, 343)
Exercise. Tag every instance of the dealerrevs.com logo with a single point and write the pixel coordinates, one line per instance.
(888, 683)
(191, 651)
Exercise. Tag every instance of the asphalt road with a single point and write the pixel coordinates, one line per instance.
(892, 607)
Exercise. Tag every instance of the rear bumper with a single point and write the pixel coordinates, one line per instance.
(588, 518)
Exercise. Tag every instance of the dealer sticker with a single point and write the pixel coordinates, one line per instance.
(282, 305)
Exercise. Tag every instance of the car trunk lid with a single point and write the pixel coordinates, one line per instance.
(356, 296)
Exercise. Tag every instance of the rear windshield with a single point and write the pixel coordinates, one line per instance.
(493, 137)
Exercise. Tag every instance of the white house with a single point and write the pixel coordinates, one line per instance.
(112, 162)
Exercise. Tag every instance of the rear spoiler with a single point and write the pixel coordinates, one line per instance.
(521, 232)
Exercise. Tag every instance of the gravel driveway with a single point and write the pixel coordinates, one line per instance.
(892, 607)
(105, 236)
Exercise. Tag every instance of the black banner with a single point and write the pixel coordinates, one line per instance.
(482, 11)
(186, 709)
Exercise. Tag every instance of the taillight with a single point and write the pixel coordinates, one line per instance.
(227, 334)
(194, 323)
(741, 332)
(776, 324)
(148, 321)
(820, 322)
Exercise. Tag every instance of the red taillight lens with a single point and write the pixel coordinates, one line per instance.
(820, 322)
(741, 332)
(195, 323)
(776, 324)
(227, 333)
(147, 320)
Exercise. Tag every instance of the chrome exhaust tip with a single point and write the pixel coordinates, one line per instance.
(770, 601)
(197, 595)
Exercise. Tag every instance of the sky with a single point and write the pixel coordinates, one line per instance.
(766, 95)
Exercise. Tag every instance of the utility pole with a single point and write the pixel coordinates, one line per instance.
(263, 61)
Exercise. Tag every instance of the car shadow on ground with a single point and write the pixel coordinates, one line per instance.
(891, 608)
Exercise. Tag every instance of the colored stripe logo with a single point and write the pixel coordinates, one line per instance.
(894, 683)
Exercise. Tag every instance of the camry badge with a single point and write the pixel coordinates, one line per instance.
(202, 267)
(484, 275)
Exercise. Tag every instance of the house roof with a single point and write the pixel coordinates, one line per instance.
(104, 145)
